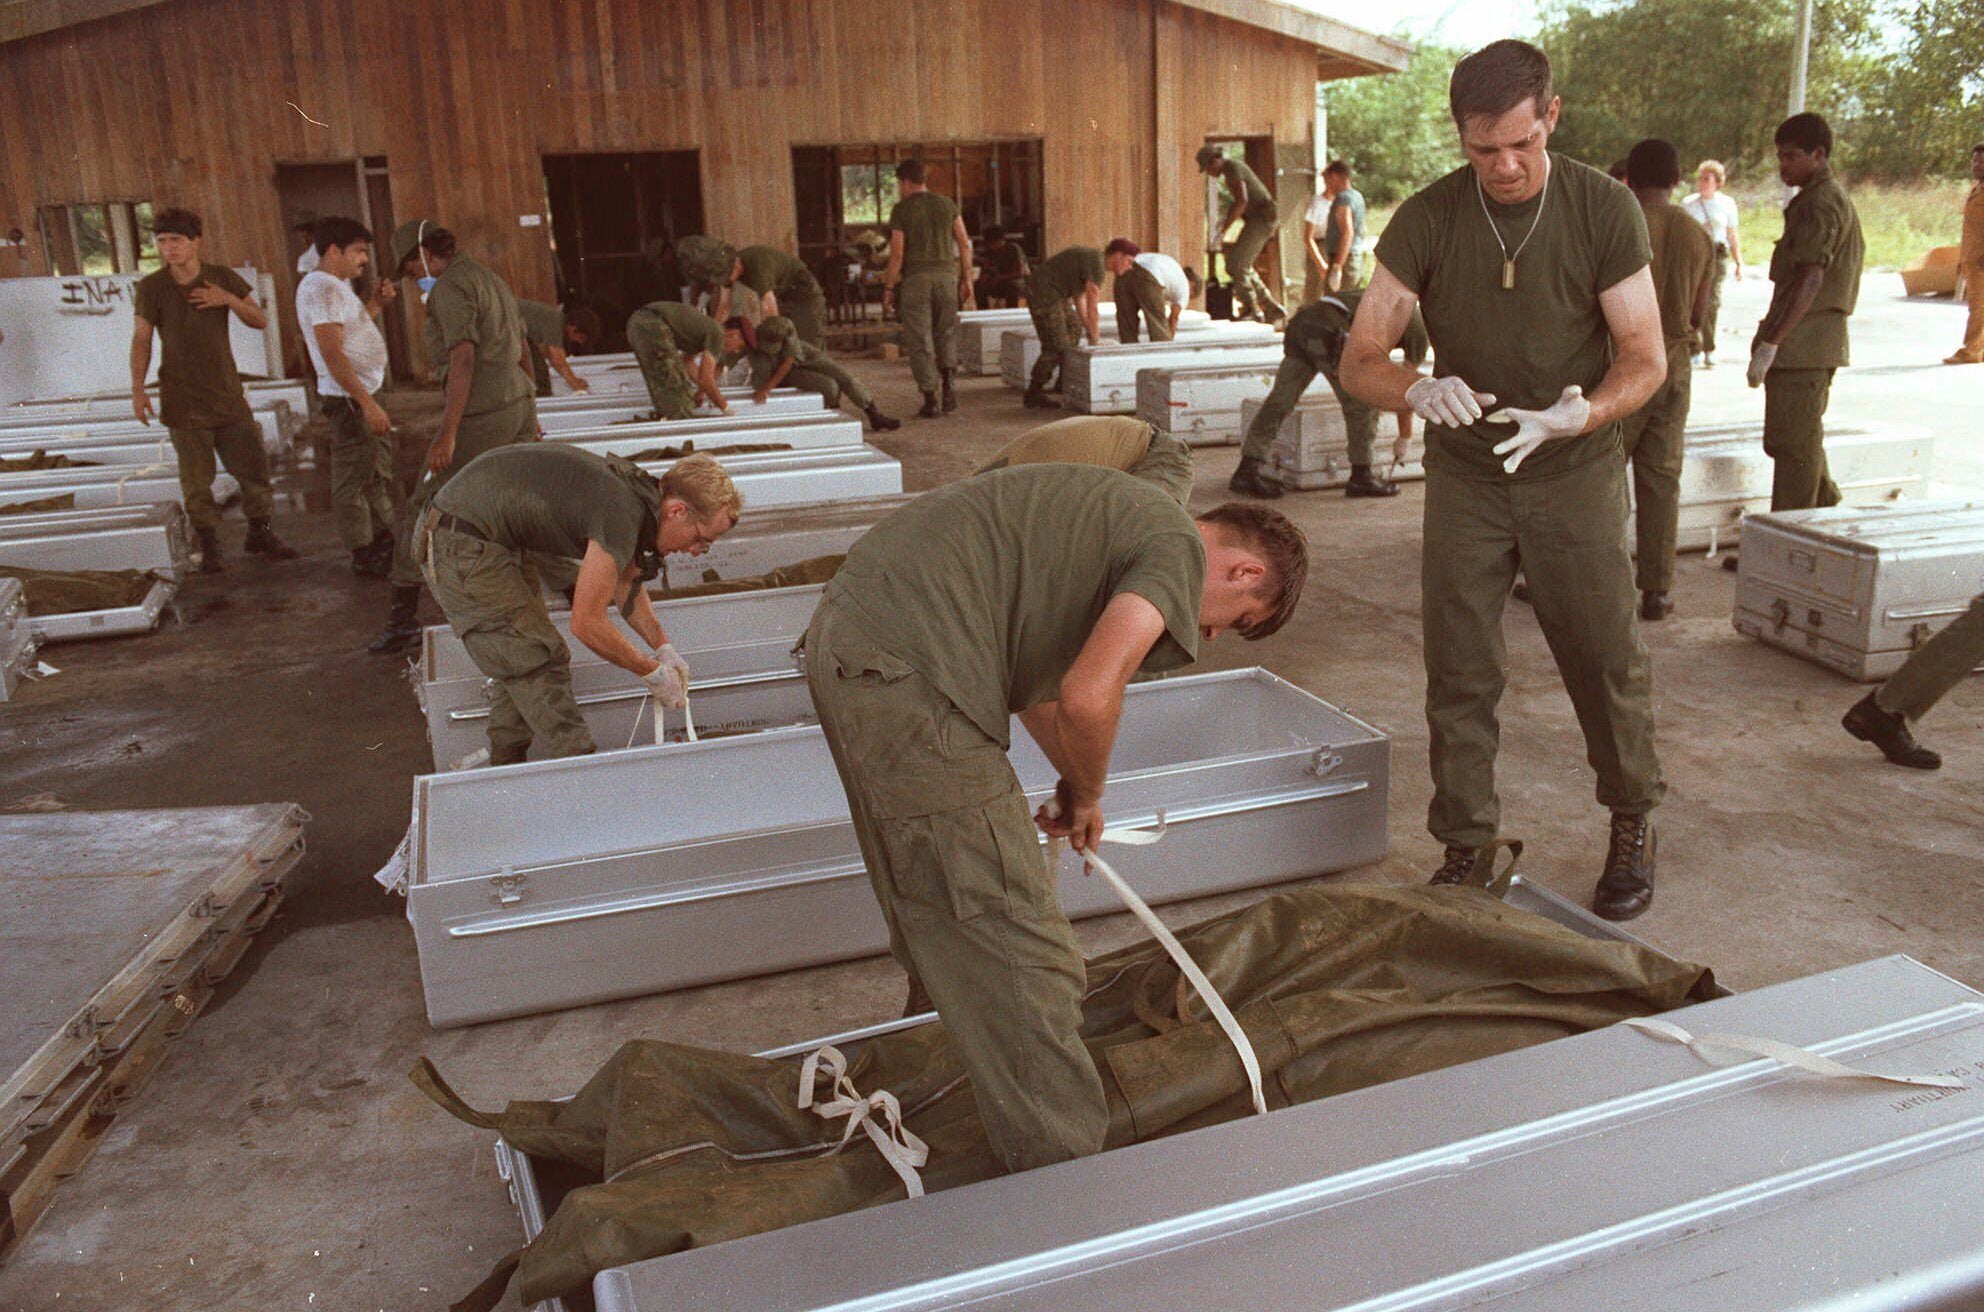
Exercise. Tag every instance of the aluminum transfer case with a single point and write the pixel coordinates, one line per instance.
(1202, 405)
(765, 540)
(1857, 589)
(981, 335)
(581, 410)
(807, 478)
(154, 537)
(1102, 380)
(680, 865)
(1312, 450)
(739, 649)
(818, 432)
(113, 485)
(18, 428)
(1605, 1170)
(17, 641)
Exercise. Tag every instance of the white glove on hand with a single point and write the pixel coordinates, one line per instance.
(1761, 359)
(669, 681)
(1447, 401)
(1566, 418)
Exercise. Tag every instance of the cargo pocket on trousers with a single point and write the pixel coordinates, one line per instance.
(970, 862)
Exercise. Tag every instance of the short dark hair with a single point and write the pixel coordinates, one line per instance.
(910, 170)
(177, 222)
(586, 322)
(1653, 163)
(338, 231)
(439, 241)
(1282, 548)
(1340, 167)
(1808, 132)
(1122, 246)
(1498, 77)
(738, 324)
(1616, 170)
(307, 227)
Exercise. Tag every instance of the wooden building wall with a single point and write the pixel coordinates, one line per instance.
(194, 102)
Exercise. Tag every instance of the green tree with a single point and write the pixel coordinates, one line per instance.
(1395, 129)
(1922, 110)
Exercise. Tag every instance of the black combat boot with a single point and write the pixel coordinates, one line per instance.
(1464, 865)
(929, 410)
(374, 560)
(1249, 481)
(210, 558)
(1626, 887)
(262, 541)
(1364, 483)
(880, 422)
(1655, 606)
(1889, 732)
(1035, 399)
(950, 391)
(402, 631)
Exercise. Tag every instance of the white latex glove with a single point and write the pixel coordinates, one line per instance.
(1566, 418)
(1761, 360)
(1447, 401)
(669, 681)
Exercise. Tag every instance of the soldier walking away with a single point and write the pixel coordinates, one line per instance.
(1815, 283)
(1683, 273)
(1252, 208)
(679, 350)
(779, 358)
(1313, 345)
(475, 339)
(1882, 717)
(201, 403)
(1970, 264)
(929, 277)
(348, 352)
(1061, 296)
(1711, 208)
(1532, 272)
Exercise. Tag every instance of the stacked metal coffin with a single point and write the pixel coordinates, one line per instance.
(17, 644)
(50, 425)
(1647, 1178)
(1102, 380)
(98, 487)
(115, 926)
(819, 430)
(150, 538)
(1203, 405)
(676, 865)
(982, 337)
(1857, 589)
(584, 410)
(766, 540)
(1312, 450)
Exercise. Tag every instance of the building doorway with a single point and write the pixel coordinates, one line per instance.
(355, 188)
(1258, 154)
(614, 223)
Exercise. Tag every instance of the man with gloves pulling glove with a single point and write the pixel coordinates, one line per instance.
(617, 521)
(1532, 273)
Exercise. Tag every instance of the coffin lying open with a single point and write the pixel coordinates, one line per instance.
(678, 865)
(36, 429)
(817, 432)
(1102, 380)
(776, 537)
(116, 485)
(289, 399)
(807, 478)
(70, 606)
(151, 537)
(581, 410)
(17, 642)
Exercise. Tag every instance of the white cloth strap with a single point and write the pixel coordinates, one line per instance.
(898, 1144)
(688, 719)
(1728, 1049)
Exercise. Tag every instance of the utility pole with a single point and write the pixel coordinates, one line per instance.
(1801, 56)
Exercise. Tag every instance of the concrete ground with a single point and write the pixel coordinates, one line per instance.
(282, 1160)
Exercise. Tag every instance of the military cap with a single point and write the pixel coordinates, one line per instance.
(705, 259)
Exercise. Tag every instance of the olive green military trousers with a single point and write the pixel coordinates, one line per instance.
(238, 448)
(1937, 666)
(1250, 292)
(1139, 295)
(1567, 535)
(516, 422)
(495, 605)
(1057, 326)
(1291, 380)
(1705, 333)
(808, 311)
(670, 389)
(821, 373)
(361, 474)
(970, 903)
(928, 304)
(1795, 438)
(1653, 444)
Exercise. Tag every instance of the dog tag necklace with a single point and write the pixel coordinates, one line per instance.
(1509, 259)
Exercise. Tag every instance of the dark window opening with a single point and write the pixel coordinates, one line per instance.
(98, 237)
(615, 220)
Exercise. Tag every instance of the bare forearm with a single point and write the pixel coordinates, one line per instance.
(141, 364)
(1806, 290)
(338, 365)
(1374, 378)
(706, 380)
(250, 313)
(455, 398)
(1086, 734)
(605, 640)
(779, 374)
(1629, 384)
(640, 614)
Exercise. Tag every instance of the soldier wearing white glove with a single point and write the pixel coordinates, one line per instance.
(669, 679)
(1567, 418)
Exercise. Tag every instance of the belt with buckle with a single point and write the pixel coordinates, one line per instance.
(442, 519)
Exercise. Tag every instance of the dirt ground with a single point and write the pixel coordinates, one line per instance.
(282, 1160)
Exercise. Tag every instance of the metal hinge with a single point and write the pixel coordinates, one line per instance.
(1324, 763)
(509, 888)
(1780, 614)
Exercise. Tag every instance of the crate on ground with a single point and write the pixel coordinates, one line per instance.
(1312, 449)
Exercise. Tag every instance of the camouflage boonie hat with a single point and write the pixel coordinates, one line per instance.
(706, 259)
(775, 332)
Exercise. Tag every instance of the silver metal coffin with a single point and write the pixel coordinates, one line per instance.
(153, 537)
(1312, 450)
(25, 433)
(1605, 1170)
(582, 410)
(808, 478)
(558, 883)
(769, 539)
(1857, 589)
(287, 398)
(739, 649)
(981, 335)
(820, 431)
(1102, 380)
(17, 642)
(112, 622)
(1202, 406)
(108, 485)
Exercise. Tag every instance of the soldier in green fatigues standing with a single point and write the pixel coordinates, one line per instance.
(929, 276)
(478, 543)
(1683, 273)
(781, 283)
(1111, 441)
(779, 358)
(1253, 209)
(1313, 344)
(201, 404)
(678, 348)
(1815, 283)
(475, 334)
(1038, 590)
(1062, 295)
(1882, 717)
(1532, 272)
(551, 330)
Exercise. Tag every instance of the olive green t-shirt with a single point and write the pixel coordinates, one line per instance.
(692, 330)
(989, 586)
(768, 269)
(469, 303)
(1063, 274)
(544, 325)
(925, 221)
(552, 497)
(197, 382)
(1683, 255)
(1317, 332)
(1238, 178)
(1110, 441)
(1820, 227)
(1524, 344)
